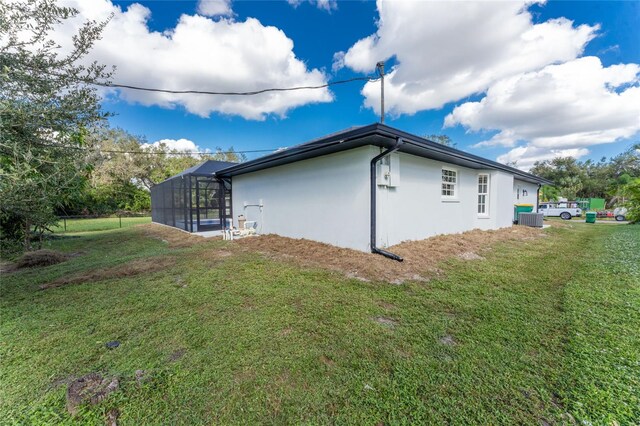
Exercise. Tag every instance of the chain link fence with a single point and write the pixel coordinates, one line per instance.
(89, 223)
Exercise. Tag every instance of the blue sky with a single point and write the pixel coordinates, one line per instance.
(317, 34)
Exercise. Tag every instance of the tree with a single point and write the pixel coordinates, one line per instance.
(46, 104)
(125, 167)
(442, 140)
(632, 203)
(597, 178)
(156, 163)
(126, 158)
(624, 167)
(606, 178)
(567, 174)
(549, 193)
(627, 162)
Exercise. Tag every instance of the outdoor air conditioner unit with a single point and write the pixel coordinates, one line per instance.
(530, 219)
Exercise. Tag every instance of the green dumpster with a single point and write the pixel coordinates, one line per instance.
(521, 208)
(591, 217)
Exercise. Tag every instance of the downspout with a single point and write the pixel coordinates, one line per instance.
(538, 197)
(374, 189)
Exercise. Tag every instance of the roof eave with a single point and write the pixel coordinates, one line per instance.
(354, 138)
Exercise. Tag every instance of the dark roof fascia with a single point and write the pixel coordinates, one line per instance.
(211, 175)
(460, 155)
(376, 134)
(194, 171)
(336, 142)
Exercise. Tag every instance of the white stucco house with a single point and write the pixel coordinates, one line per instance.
(371, 187)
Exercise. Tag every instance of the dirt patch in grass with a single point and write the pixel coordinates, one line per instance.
(386, 321)
(92, 389)
(328, 362)
(448, 340)
(386, 305)
(135, 267)
(7, 266)
(173, 237)
(177, 355)
(112, 417)
(420, 257)
(35, 259)
(469, 255)
(285, 331)
(38, 258)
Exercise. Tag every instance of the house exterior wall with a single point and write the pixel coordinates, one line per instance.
(525, 193)
(323, 199)
(415, 208)
(504, 201)
(326, 199)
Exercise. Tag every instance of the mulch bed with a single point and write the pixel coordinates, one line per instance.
(420, 257)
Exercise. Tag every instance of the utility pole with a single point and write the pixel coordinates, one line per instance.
(380, 66)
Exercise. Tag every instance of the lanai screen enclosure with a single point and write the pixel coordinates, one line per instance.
(194, 200)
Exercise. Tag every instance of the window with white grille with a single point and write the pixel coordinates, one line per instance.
(449, 183)
(483, 195)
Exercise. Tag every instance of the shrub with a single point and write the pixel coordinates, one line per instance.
(632, 202)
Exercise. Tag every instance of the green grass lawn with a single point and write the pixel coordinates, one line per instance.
(541, 331)
(99, 224)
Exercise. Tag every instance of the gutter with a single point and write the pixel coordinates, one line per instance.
(374, 188)
(359, 133)
(330, 144)
(442, 149)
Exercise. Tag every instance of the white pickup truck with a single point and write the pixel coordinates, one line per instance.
(562, 210)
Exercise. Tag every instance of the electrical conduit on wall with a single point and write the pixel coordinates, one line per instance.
(374, 189)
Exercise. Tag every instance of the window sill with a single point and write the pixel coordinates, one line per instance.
(484, 217)
(450, 200)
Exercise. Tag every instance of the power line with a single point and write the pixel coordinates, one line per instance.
(256, 92)
(207, 92)
(178, 152)
(144, 152)
(251, 93)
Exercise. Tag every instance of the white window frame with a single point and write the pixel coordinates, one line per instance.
(484, 214)
(454, 185)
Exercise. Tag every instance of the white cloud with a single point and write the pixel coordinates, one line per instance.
(568, 107)
(338, 62)
(328, 5)
(182, 145)
(525, 156)
(447, 51)
(214, 7)
(199, 53)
